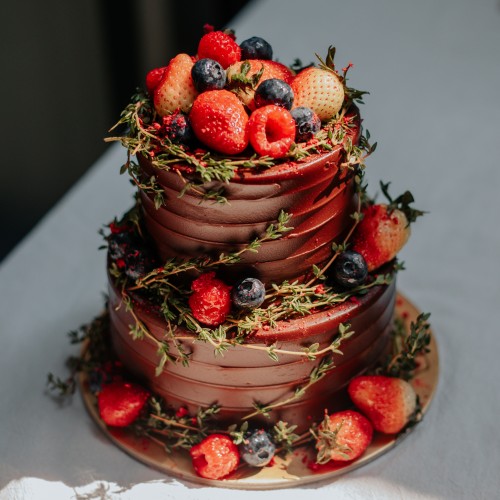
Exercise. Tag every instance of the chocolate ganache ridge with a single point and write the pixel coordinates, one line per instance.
(317, 192)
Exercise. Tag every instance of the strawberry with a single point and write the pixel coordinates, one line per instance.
(176, 89)
(244, 77)
(343, 436)
(219, 120)
(380, 235)
(320, 89)
(220, 47)
(384, 229)
(215, 457)
(211, 299)
(271, 131)
(153, 79)
(388, 402)
(120, 403)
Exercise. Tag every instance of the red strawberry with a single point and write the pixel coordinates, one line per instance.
(211, 300)
(343, 436)
(215, 457)
(153, 78)
(319, 89)
(243, 77)
(176, 89)
(387, 401)
(219, 120)
(219, 46)
(380, 235)
(120, 403)
(271, 131)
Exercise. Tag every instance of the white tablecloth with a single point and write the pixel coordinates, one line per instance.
(433, 72)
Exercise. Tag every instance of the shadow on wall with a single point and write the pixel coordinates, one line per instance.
(69, 68)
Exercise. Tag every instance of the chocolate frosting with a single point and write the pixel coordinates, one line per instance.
(319, 195)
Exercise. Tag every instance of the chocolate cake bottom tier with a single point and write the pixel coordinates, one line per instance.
(246, 375)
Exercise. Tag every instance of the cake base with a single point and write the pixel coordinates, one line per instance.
(298, 467)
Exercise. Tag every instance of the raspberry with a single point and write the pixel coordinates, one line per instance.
(219, 46)
(219, 121)
(215, 457)
(271, 131)
(120, 403)
(211, 300)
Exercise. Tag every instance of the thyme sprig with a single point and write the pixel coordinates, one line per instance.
(142, 137)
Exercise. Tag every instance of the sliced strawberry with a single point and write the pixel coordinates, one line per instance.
(388, 402)
(176, 89)
(380, 235)
(343, 436)
(220, 47)
(211, 299)
(271, 131)
(244, 77)
(319, 89)
(153, 79)
(120, 403)
(215, 457)
(219, 120)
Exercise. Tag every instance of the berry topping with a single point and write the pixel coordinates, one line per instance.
(177, 128)
(307, 123)
(248, 293)
(120, 403)
(219, 46)
(244, 77)
(176, 89)
(219, 120)
(215, 457)
(153, 79)
(349, 269)
(256, 48)
(139, 262)
(271, 131)
(274, 91)
(380, 235)
(343, 436)
(319, 89)
(208, 74)
(387, 401)
(257, 448)
(211, 299)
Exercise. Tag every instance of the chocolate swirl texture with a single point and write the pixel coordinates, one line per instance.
(317, 192)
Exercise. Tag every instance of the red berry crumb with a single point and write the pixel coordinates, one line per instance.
(271, 131)
(215, 457)
(219, 46)
(211, 299)
(120, 403)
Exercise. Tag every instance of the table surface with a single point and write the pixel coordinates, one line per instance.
(433, 72)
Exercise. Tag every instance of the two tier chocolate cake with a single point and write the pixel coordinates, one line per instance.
(252, 284)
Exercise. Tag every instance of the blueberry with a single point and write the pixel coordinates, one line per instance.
(248, 293)
(350, 269)
(177, 128)
(208, 74)
(307, 123)
(274, 91)
(139, 262)
(256, 48)
(258, 448)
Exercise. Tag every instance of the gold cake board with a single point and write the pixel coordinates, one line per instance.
(295, 469)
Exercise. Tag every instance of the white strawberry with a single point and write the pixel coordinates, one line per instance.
(176, 89)
(321, 90)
